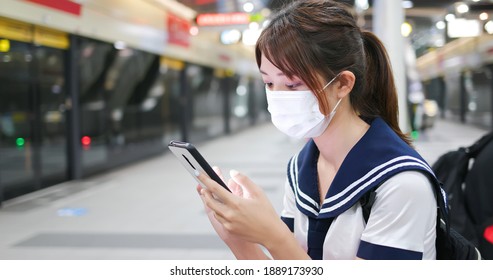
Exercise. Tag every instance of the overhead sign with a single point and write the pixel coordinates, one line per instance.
(222, 19)
(178, 31)
(62, 5)
(51, 38)
(15, 30)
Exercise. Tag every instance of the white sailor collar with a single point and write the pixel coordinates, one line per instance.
(377, 156)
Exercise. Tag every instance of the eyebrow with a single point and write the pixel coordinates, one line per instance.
(278, 74)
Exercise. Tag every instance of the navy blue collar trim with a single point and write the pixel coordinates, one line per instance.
(377, 156)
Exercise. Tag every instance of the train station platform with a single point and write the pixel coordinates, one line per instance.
(151, 210)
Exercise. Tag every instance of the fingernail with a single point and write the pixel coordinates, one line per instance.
(196, 173)
(233, 173)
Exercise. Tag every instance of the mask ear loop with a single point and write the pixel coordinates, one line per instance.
(331, 115)
(331, 81)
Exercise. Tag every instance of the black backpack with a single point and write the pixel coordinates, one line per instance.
(465, 220)
(450, 245)
(467, 176)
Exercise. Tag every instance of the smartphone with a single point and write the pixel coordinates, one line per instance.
(193, 161)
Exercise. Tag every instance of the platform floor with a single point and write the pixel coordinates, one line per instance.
(150, 209)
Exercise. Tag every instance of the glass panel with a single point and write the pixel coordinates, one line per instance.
(128, 100)
(241, 99)
(51, 88)
(141, 120)
(95, 61)
(479, 106)
(170, 104)
(207, 103)
(153, 105)
(249, 103)
(16, 147)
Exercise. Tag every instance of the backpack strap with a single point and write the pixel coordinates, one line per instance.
(367, 201)
(475, 148)
(369, 198)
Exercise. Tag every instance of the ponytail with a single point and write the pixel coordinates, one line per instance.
(380, 92)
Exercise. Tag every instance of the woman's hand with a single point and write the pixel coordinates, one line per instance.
(241, 248)
(246, 213)
(218, 227)
(245, 218)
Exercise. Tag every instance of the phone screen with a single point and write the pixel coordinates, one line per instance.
(193, 161)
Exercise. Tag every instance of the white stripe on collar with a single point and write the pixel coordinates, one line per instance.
(370, 173)
(326, 208)
(314, 207)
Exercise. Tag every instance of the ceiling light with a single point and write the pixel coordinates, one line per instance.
(407, 4)
(489, 27)
(194, 31)
(440, 25)
(362, 4)
(483, 16)
(462, 8)
(406, 29)
(450, 17)
(119, 45)
(248, 7)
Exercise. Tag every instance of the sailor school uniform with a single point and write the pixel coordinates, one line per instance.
(403, 217)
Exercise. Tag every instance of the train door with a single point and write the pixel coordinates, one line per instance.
(33, 148)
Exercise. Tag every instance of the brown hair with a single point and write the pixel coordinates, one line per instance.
(320, 38)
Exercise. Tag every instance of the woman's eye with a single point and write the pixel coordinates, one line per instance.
(268, 85)
(293, 86)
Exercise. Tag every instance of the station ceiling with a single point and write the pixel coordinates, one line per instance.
(423, 15)
(214, 6)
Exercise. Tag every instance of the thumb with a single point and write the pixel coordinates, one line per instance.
(246, 184)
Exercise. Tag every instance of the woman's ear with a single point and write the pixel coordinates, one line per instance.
(345, 83)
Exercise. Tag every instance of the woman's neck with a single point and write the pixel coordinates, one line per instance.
(344, 131)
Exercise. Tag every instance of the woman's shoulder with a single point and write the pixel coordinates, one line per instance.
(407, 183)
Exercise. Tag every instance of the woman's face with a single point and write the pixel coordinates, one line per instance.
(275, 80)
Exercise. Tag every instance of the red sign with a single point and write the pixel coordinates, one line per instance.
(62, 5)
(223, 19)
(204, 2)
(178, 31)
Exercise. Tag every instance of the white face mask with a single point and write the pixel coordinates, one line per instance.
(297, 114)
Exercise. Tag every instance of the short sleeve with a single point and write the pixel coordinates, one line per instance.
(289, 206)
(402, 220)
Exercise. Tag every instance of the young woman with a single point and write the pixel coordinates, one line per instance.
(331, 82)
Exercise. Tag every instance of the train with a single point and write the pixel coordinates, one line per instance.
(88, 86)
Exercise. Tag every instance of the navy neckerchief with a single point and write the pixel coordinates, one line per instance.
(377, 156)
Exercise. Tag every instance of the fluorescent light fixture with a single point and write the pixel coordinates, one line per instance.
(464, 28)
